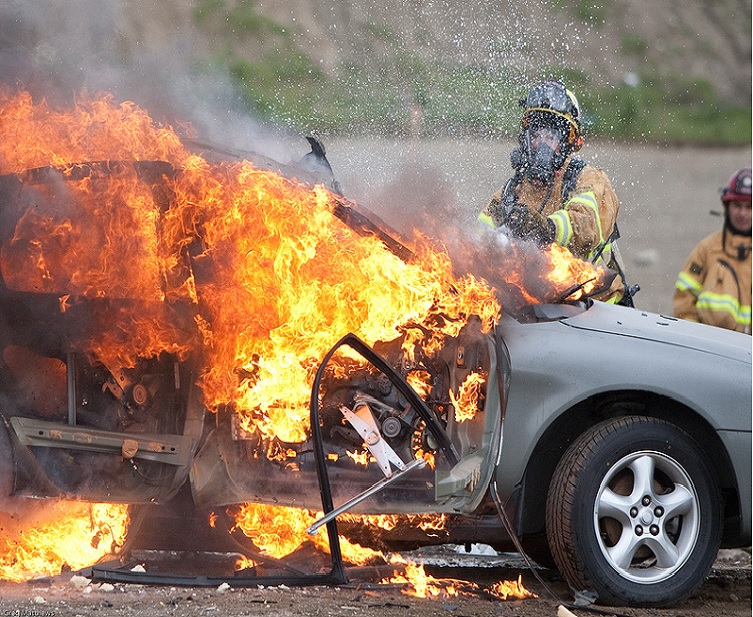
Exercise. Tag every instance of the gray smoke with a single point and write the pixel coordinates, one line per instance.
(59, 49)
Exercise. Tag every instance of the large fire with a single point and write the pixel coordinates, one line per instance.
(278, 531)
(43, 541)
(286, 282)
(273, 279)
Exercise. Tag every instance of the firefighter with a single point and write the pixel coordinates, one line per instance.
(554, 196)
(714, 286)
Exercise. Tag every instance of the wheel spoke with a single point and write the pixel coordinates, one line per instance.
(622, 553)
(643, 469)
(666, 553)
(679, 501)
(614, 505)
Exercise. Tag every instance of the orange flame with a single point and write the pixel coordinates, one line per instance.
(280, 530)
(469, 394)
(282, 280)
(511, 589)
(568, 269)
(273, 280)
(420, 584)
(388, 522)
(41, 538)
(420, 381)
(529, 275)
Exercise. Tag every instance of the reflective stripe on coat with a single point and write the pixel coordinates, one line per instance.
(583, 223)
(714, 286)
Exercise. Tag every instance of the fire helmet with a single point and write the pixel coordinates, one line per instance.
(550, 101)
(550, 131)
(739, 187)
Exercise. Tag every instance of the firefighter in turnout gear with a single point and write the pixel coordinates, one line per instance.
(554, 197)
(714, 286)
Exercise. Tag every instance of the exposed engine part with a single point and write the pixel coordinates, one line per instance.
(391, 427)
(363, 421)
(422, 439)
(140, 394)
(460, 357)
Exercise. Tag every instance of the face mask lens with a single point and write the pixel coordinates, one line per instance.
(546, 139)
(550, 97)
(546, 136)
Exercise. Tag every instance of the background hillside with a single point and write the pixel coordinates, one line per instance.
(671, 70)
(675, 71)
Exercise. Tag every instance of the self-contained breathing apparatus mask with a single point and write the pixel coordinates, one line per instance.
(545, 144)
(550, 132)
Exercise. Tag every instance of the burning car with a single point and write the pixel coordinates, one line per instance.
(171, 327)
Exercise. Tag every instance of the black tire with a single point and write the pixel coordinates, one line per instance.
(646, 483)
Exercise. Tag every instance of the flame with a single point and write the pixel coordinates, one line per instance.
(41, 538)
(420, 584)
(388, 522)
(420, 381)
(526, 274)
(274, 280)
(511, 589)
(243, 563)
(247, 270)
(361, 458)
(284, 278)
(279, 530)
(567, 269)
(469, 395)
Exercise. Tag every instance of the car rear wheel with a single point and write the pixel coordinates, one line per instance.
(633, 513)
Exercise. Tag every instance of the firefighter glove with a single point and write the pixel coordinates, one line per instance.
(529, 224)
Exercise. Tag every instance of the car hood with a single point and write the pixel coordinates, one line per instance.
(635, 323)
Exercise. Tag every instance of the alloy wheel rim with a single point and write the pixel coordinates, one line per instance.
(646, 517)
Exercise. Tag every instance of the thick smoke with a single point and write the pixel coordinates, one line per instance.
(60, 49)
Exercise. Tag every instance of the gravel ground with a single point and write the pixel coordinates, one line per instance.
(726, 593)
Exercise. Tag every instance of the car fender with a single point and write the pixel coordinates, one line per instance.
(557, 364)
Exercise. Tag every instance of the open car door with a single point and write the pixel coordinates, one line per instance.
(398, 429)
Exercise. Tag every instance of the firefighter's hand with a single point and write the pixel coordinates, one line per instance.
(528, 224)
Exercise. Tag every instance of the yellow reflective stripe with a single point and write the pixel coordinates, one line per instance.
(563, 228)
(588, 199)
(486, 219)
(724, 303)
(685, 282)
(744, 315)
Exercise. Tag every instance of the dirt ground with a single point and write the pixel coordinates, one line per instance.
(726, 593)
